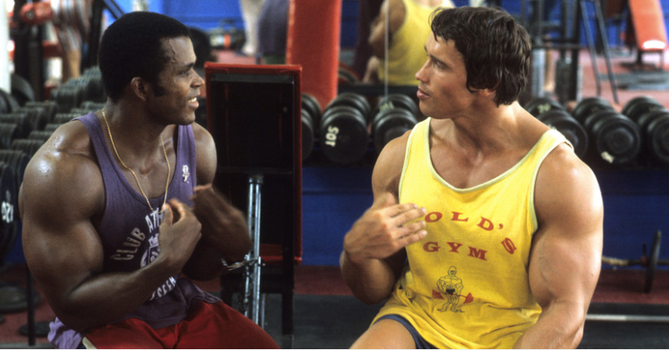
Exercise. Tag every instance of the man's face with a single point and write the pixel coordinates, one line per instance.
(178, 84)
(443, 92)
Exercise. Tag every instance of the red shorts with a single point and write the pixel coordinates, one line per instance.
(209, 326)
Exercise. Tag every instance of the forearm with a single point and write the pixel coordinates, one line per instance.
(377, 38)
(229, 236)
(558, 327)
(108, 297)
(371, 282)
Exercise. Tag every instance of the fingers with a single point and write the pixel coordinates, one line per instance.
(167, 214)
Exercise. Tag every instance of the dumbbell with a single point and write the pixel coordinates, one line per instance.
(553, 114)
(539, 105)
(614, 138)
(640, 105)
(589, 106)
(8, 132)
(48, 108)
(311, 117)
(20, 119)
(67, 97)
(394, 115)
(562, 121)
(344, 136)
(653, 121)
(650, 263)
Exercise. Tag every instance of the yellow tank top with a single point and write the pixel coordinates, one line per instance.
(406, 54)
(466, 284)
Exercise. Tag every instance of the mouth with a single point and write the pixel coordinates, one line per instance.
(193, 102)
(422, 94)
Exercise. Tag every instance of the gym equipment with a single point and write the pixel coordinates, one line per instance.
(9, 208)
(227, 36)
(589, 106)
(538, 105)
(649, 29)
(311, 118)
(28, 146)
(654, 127)
(35, 116)
(313, 43)
(637, 106)
(615, 139)
(650, 263)
(8, 132)
(20, 119)
(259, 155)
(569, 127)
(62, 118)
(553, 114)
(51, 127)
(39, 135)
(343, 129)
(8, 103)
(48, 108)
(21, 89)
(394, 115)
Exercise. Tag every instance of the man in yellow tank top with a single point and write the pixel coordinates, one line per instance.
(406, 22)
(486, 228)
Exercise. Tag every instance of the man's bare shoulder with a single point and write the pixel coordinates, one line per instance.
(389, 164)
(566, 186)
(64, 170)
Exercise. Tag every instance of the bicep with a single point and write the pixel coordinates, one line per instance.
(566, 251)
(61, 246)
(206, 160)
(391, 16)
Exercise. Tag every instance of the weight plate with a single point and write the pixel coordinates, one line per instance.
(652, 262)
(539, 105)
(589, 106)
(21, 89)
(634, 107)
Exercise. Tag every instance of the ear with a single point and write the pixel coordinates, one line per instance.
(486, 92)
(140, 88)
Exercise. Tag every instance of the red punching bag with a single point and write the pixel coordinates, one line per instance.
(313, 43)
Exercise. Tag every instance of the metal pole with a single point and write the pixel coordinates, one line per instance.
(252, 280)
(627, 318)
(5, 82)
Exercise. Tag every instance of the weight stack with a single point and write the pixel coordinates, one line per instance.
(313, 43)
(538, 72)
(566, 82)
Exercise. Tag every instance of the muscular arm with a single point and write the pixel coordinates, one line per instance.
(62, 247)
(374, 254)
(377, 36)
(566, 252)
(225, 234)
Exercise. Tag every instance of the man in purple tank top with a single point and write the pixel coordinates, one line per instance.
(118, 210)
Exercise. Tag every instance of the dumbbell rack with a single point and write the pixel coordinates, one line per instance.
(572, 43)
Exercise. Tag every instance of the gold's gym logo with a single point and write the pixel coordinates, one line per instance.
(450, 291)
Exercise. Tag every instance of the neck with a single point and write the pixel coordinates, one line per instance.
(489, 130)
(133, 130)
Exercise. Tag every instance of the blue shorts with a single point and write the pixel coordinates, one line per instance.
(421, 343)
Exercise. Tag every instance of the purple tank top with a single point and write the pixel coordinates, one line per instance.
(131, 243)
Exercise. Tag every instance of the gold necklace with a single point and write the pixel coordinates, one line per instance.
(169, 170)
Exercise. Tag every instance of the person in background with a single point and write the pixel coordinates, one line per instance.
(273, 23)
(486, 228)
(406, 21)
(119, 213)
(250, 11)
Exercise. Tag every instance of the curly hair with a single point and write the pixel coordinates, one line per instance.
(131, 47)
(495, 49)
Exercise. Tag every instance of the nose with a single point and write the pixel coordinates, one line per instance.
(198, 81)
(421, 75)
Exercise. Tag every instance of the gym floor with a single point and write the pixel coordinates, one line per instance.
(341, 318)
